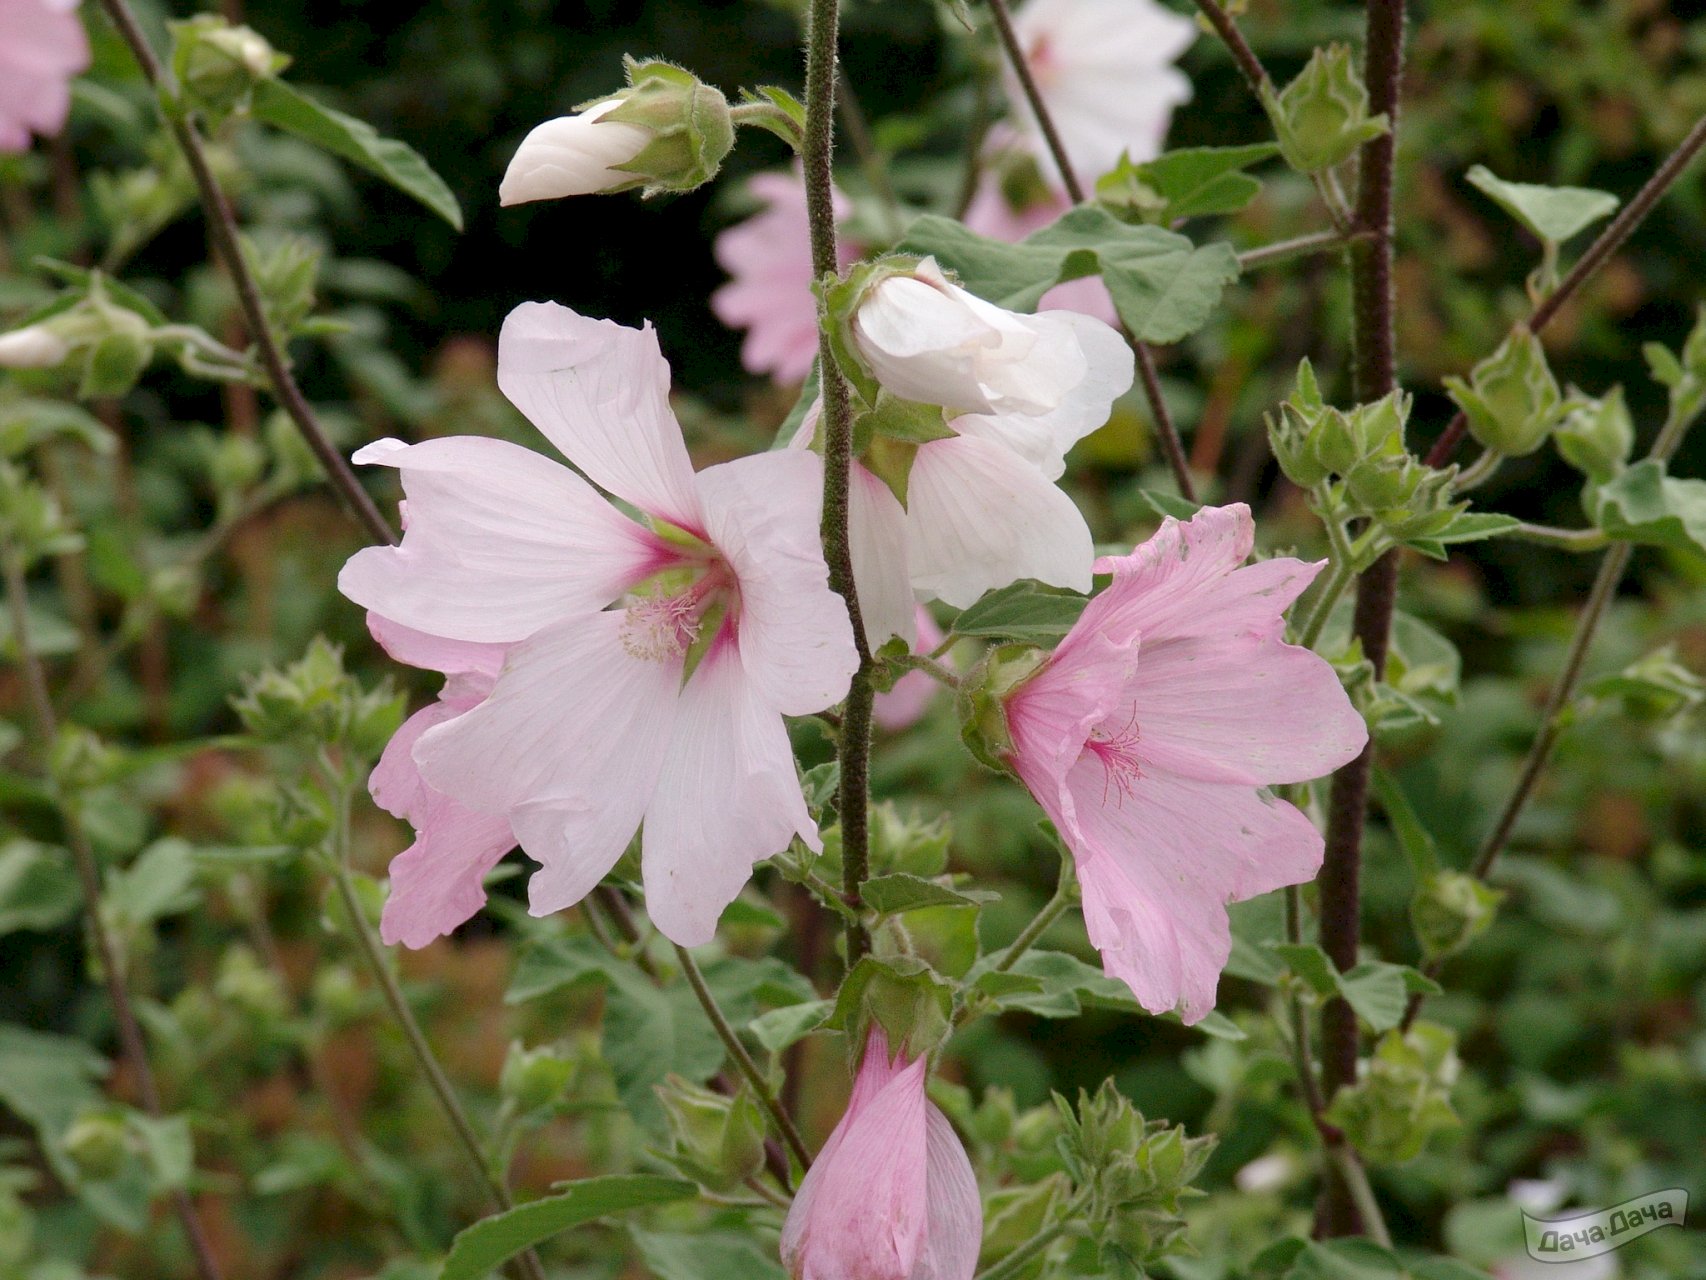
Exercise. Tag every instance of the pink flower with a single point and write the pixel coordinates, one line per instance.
(42, 46)
(769, 260)
(905, 703)
(891, 1196)
(991, 214)
(648, 665)
(439, 881)
(1148, 738)
(1104, 69)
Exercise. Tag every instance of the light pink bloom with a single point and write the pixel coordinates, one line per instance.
(991, 214)
(590, 727)
(1105, 71)
(42, 46)
(1148, 738)
(573, 155)
(439, 881)
(769, 293)
(892, 1195)
(905, 703)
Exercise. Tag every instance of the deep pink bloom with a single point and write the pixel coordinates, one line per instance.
(647, 665)
(892, 1195)
(438, 881)
(1150, 735)
(769, 293)
(42, 46)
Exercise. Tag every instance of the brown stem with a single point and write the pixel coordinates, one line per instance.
(1249, 65)
(222, 227)
(1607, 243)
(112, 961)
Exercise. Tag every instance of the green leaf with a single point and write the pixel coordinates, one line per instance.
(1414, 838)
(1027, 611)
(1200, 181)
(160, 883)
(358, 142)
(1064, 987)
(1378, 993)
(1345, 1260)
(38, 889)
(1168, 504)
(1163, 286)
(1646, 506)
(1554, 214)
(779, 1028)
(893, 894)
(169, 1149)
(1474, 526)
(1309, 963)
(715, 1255)
(488, 1244)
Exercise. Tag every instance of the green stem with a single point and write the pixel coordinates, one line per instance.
(1281, 250)
(1339, 576)
(930, 667)
(742, 1059)
(373, 952)
(1065, 894)
(131, 1043)
(1546, 535)
(1020, 1258)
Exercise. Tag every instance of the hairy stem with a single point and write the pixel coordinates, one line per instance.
(1607, 243)
(131, 1043)
(853, 797)
(1165, 428)
(743, 1060)
(1375, 374)
(222, 226)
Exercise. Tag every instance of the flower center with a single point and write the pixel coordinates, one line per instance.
(666, 617)
(1117, 749)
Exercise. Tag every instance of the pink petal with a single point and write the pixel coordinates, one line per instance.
(1159, 865)
(954, 1234)
(728, 796)
(599, 391)
(1051, 715)
(569, 745)
(979, 517)
(470, 668)
(42, 46)
(876, 534)
(500, 542)
(796, 644)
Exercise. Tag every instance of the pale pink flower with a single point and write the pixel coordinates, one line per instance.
(590, 727)
(573, 155)
(42, 46)
(769, 293)
(992, 214)
(1104, 69)
(1150, 734)
(907, 700)
(438, 882)
(892, 1195)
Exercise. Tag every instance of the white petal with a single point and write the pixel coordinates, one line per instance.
(569, 745)
(728, 797)
(600, 393)
(500, 542)
(762, 513)
(876, 535)
(572, 156)
(979, 517)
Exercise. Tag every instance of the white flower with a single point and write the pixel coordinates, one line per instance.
(573, 156)
(32, 347)
(1105, 71)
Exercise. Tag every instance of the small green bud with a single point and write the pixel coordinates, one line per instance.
(1597, 436)
(80, 760)
(1321, 117)
(338, 996)
(716, 1139)
(286, 271)
(1403, 1097)
(905, 842)
(1450, 910)
(1334, 444)
(1512, 400)
(982, 700)
(534, 1079)
(219, 65)
(97, 1143)
(113, 365)
(175, 589)
(251, 988)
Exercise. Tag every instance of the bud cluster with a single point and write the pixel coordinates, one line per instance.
(1403, 1097)
(315, 700)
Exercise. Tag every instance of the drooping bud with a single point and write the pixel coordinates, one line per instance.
(219, 65)
(715, 1139)
(982, 700)
(35, 346)
(1597, 436)
(1450, 910)
(667, 131)
(1512, 400)
(1321, 117)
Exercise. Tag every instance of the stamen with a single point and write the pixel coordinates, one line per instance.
(659, 628)
(1122, 766)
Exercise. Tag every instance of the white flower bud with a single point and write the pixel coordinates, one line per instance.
(929, 340)
(573, 156)
(33, 347)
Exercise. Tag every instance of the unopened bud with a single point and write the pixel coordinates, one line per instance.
(535, 1078)
(97, 1144)
(1321, 117)
(716, 1139)
(218, 64)
(34, 346)
(1450, 910)
(1512, 400)
(1596, 436)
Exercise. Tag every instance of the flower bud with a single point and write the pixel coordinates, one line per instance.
(1450, 910)
(218, 65)
(667, 131)
(716, 1139)
(97, 1143)
(1321, 117)
(34, 346)
(1511, 399)
(1403, 1097)
(1596, 436)
(535, 1078)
